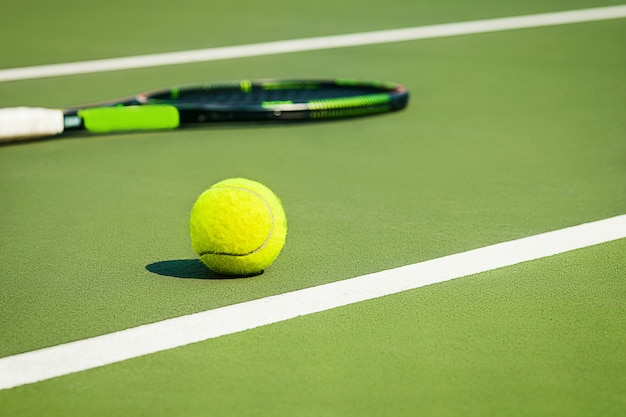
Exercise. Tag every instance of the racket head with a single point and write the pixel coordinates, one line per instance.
(280, 100)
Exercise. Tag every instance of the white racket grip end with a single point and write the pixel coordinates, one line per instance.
(17, 123)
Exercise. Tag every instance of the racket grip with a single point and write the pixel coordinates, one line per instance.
(23, 123)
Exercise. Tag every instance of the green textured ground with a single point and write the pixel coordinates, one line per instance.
(508, 134)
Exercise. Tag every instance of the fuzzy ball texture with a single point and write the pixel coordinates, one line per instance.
(238, 227)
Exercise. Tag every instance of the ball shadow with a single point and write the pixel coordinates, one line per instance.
(187, 268)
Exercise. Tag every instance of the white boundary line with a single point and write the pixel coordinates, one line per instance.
(311, 44)
(43, 364)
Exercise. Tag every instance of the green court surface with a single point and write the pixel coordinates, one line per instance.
(508, 134)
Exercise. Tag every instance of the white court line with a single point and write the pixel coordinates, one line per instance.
(311, 44)
(39, 365)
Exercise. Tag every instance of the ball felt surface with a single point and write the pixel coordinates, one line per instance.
(238, 227)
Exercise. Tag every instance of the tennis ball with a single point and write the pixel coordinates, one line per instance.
(238, 227)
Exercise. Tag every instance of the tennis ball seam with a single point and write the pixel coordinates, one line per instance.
(269, 235)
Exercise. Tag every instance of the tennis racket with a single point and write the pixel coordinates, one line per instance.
(238, 101)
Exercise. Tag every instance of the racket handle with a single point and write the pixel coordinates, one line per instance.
(129, 118)
(23, 123)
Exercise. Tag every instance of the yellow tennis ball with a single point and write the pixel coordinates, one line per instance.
(238, 227)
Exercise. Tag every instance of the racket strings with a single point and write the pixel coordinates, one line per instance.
(257, 95)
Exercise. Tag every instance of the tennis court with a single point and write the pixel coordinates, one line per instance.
(513, 139)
